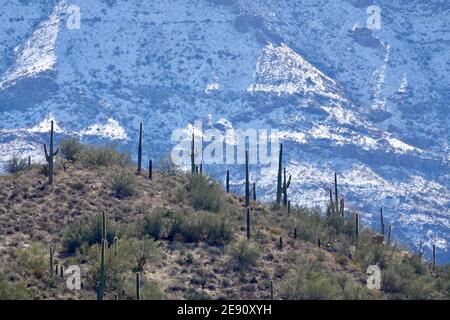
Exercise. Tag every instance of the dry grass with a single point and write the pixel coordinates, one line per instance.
(33, 213)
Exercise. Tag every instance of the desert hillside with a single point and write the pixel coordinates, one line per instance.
(186, 237)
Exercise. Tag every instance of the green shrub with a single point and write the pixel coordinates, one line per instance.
(166, 166)
(123, 184)
(140, 252)
(14, 291)
(150, 290)
(116, 266)
(31, 261)
(205, 193)
(71, 149)
(153, 223)
(198, 226)
(103, 156)
(89, 232)
(243, 255)
(310, 225)
(15, 165)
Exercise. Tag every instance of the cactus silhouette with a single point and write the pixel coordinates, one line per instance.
(101, 281)
(279, 178)
(357, 226)
(50, 155)
(51, 260)
(150, 169)
(286, 184)
(138, 286)
(227, 183)
(248, 223)
(193, 167)
(247, 181)
(139, 166)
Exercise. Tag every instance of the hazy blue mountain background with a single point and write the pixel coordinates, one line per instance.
(372, 105)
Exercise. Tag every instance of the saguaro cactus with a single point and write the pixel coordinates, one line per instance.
(227, 183)
(336, 192)
(281, 243)
(434, 256)
(51, 260)
(103, 225)
(50, 155)
(357, 226)
(254, 191)
(193, 155)
(248, 223)
(286, 184)
(101, 281)
(138, 286)
(332, 203)
(295, 233)
(342, 209)
(150, 169)
(389, 234)
(247, 181)
(140, 150)
(279, 180)
(382, 221)
(271, 289)
(116, 246)
(289, 207)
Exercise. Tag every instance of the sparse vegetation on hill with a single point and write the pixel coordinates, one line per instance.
(186, 237)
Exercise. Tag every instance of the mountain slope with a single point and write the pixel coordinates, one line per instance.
(344, 98)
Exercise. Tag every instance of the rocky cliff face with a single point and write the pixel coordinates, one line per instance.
(369, 104)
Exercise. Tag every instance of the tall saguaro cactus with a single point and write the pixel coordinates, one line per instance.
(434, 256)
(193, 168)
(357, 226)
(140, 150)
(279, 179)
(103, 225)
(101, 281)
(248, 223)
(51, 260)
(227, 183)
(247, 181)
(336, 192)
(286, 184)
(150, 169)
(389, 234)
(50, 155)
(138, 286)
(254, 191)
(382, 221)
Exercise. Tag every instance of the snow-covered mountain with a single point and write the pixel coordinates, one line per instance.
(371, 104)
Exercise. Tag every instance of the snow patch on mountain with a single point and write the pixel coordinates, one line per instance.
(111, 129)
(45, 125)
(281, 70)
(37, 54)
